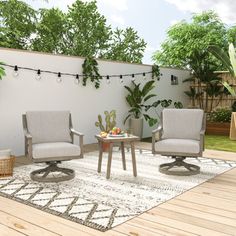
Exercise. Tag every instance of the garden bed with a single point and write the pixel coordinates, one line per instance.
(218, 128)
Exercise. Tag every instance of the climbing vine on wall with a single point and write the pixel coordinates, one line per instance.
(156, 72)
(91, 71)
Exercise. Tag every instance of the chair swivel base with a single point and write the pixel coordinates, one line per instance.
(190, 169)
(45, 175)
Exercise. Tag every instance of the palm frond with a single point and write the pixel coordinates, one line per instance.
(222, 56)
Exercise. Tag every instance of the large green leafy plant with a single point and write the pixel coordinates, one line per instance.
(2, 70)
(228, 60)
(137, 99)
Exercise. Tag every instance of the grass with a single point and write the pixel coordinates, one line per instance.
(214, 142)
(220, 143)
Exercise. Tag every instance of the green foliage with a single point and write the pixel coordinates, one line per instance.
(187, 46)
(50, 31)
(186, 43)
(110, 121)
(91, 71)
(87, 33)
(81, 31)
(156, 72)
(137, 98)
(178, 105)
(193, 95)
(220, 114)
(2, 70)
(17, 24)
(125, 45)
(228, 60)
(231, 35)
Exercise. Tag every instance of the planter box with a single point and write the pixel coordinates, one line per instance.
(218, 128)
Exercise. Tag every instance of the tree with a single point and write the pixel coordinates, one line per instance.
(50, 31)
(87, 33)
(17, 24)
(186, 44)
(82, 31)
(231, 35)
(125, 45)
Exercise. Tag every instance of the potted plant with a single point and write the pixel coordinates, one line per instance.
(137, 98)
(110, 123)
(218, 121)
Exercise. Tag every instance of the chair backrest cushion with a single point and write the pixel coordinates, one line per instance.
(49, 126)
(182, 123)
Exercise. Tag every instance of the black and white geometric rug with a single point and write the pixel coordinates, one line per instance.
(92, 200)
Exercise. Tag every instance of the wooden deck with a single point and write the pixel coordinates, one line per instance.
(208, 209)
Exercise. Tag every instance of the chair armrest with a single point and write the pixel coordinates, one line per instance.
(76, 132)
(202, 132)
(154, 132)
(28, 144)
(202, 140)
(158, 129)
(28, 135)
(81, 141)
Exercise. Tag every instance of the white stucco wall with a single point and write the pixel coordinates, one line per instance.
(18, 95)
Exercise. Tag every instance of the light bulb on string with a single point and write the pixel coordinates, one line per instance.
(108, 79)
(38, 76)
(15, 72)
(77, 79)
(144, 76)
(133, 78)
(121, 79)
(59, 77)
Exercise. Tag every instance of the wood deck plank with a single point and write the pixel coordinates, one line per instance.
(6, 231)
(23, 226)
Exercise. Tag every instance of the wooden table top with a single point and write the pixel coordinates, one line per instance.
(125, 138)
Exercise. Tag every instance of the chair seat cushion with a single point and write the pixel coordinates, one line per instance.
(178, 146)
(54, 150)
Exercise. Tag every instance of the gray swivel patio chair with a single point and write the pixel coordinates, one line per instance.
(49, 138)
(180, 135)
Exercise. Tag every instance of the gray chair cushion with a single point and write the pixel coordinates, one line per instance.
(49, 126)
(178, 146)
(58, 149)
(182, 123)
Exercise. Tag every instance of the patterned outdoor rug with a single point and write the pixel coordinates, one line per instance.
(92, 200)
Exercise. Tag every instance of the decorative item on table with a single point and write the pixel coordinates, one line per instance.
(110, 122)
(116, 132)
(6, 163)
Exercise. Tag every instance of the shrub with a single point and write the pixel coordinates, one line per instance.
(221, 114)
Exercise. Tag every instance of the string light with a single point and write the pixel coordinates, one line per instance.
(38, 76)
(15, 72)
(133, 78)
(144, 76)
(59, 77)
(121, 79)
(76, 76)
(108, 79)
(77, 79)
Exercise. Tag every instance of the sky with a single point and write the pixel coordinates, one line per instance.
(150, 18)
